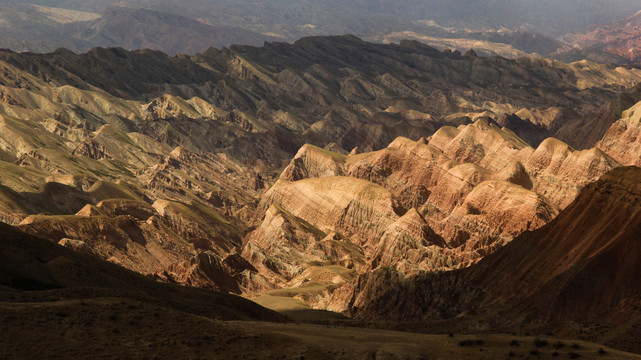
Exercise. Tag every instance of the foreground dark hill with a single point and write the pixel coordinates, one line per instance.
(75, 306)
(33, 269)
(575, 276)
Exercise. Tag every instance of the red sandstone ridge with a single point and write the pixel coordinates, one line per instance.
(413, 206)
(623, 140)
(618, 37)
(581, 267)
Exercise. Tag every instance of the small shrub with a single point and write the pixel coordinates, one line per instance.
(559, 345)
(511, 354)
(576, 346)
(451, 335)
(534, 352)
(574, 355)
(480, 342)
(555, 354)
(602, 351)
(466, 342)
(541, 342)
(515, 343)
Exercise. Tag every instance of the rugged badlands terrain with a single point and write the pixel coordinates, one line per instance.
(580, 269)
(389, 183)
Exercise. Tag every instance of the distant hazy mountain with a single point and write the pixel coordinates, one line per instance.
(141, 28)
(548, 16)
(196, 25)
(621, 38)
(43, 29)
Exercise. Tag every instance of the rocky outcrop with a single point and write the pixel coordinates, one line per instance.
(316, 232)
(285, 245)
(204, 228)
(215, 178)
(119, 207)
(76, 245)
(312, 162)
(410, 245)
(358, 209)
(92, 150)
(492, 214)
(282, 245)
(562, 171)
(208, 271)
(483, 143)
